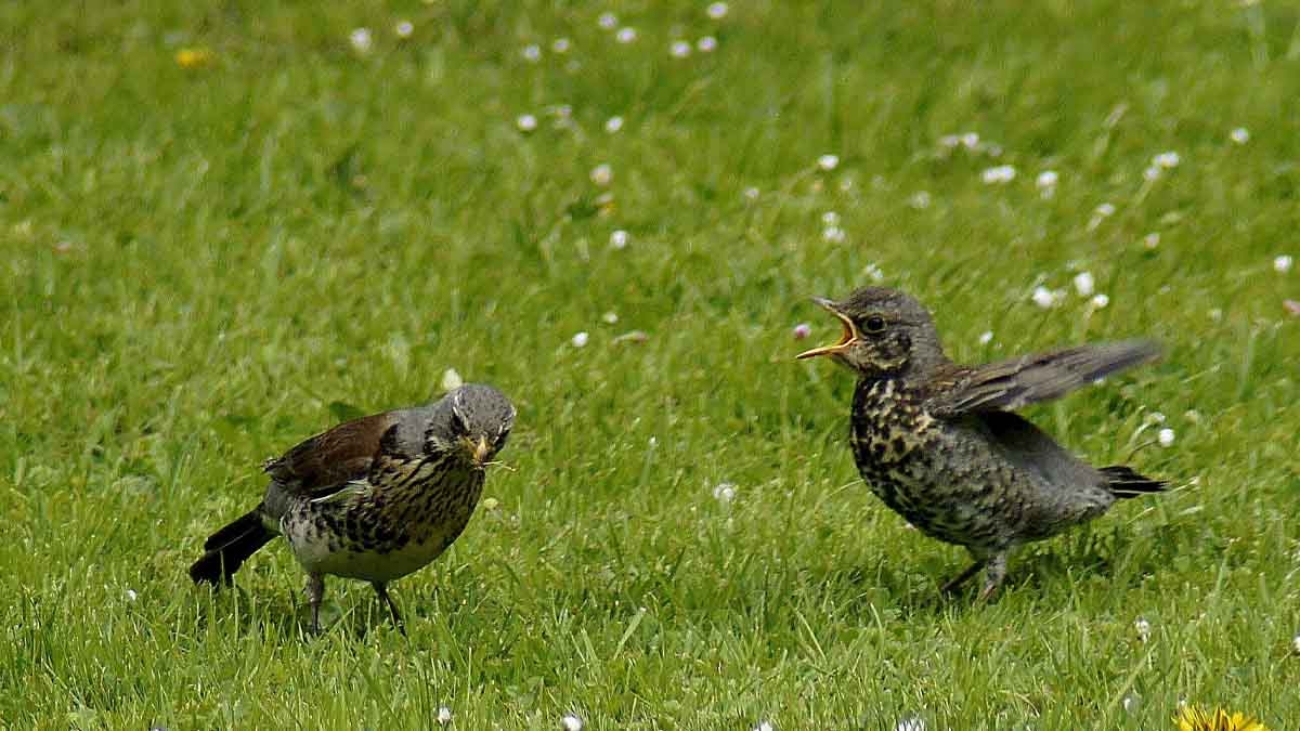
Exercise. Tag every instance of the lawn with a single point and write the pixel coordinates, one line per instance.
(226, 226)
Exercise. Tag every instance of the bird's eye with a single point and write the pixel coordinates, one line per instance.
(874, 324)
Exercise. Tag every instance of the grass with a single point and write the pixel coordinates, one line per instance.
(203, 266)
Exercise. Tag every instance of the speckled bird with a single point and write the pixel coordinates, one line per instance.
(373, 499)
(939, 444)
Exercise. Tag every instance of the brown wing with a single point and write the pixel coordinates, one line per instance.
(334, 457)
(1011, 384)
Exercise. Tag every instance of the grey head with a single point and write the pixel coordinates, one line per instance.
(885, 332)
(472, 422)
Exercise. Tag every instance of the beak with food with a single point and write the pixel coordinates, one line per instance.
(847, 338)
(479, 450)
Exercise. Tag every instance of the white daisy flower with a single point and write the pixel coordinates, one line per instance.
(828, 162)
(404, 29)
(608, 21)
(602, 174)
(361, 40)
(561, 45)
(707, 44)
(1240, 135)
(526, 122)
(571, 722)
(718, 11)
(1282, 264)
(625, 35)
(532, 53)
(1165, 437)
(999, 175)
(613, 124)
(1083, 283)
(619, 239)
(986, 337)
(679, 49)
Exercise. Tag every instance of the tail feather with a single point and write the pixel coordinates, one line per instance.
(1124, 482)
(227, 549)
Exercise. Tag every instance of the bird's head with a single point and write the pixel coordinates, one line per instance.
(472, 422)
(885, 332)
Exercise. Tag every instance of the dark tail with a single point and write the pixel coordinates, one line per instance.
(1125, 483)
(229, 547)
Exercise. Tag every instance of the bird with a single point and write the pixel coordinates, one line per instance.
(375, 498)
(939, 442)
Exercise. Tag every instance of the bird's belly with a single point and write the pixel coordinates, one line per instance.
(932, 487)
(322, 548)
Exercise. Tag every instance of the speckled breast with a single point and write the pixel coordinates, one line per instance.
(395, 528)
(898, 450)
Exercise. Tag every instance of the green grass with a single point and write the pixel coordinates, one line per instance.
(203, 266)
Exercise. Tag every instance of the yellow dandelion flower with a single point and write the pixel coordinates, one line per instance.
(194, 58)
(1191, 718)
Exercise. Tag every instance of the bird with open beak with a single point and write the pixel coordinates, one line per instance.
(940, 443)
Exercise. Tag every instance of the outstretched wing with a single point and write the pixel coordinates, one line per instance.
(329, 460)
(1011, 384)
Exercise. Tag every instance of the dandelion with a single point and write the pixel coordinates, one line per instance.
(718, 11)
(618, 239)
(444, 713)
(625, 35)
(1143, 628)
(1190, 718)
(1151, 240)
(194, 58)
(608, 21)
(613, 124)
(532, 53)
(999, 175)
(1083, 283)
(1166, 437)
(1240, 135)
(561, 45)
(1099, 301)
(1043, 297)
(828, 162)
(526, 122)
(801, 331)
(679, 49)
(912, 723)
(1167, 160)
(602, 174)
(834, 234)
(579, 340)
(707, 44)
(1282, 264)
(571, 722)
(920, 200)
(986, 337)
(403, 29)
(361, 40)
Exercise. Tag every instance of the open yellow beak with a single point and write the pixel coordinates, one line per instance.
(849, 336)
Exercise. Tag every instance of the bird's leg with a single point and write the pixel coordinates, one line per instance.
(315, 595)
(994, 572)
(955, 582)
(382, 590)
